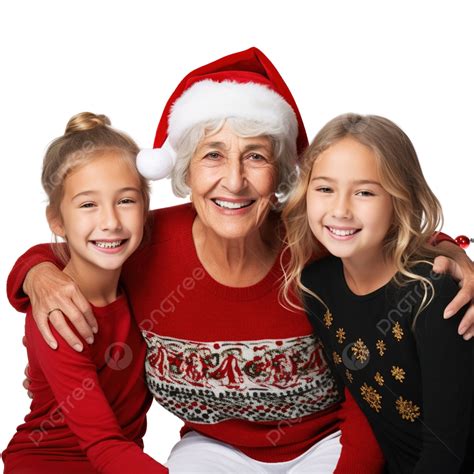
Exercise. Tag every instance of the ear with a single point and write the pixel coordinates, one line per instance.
(55, 222)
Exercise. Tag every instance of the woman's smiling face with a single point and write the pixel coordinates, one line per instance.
(232, 181)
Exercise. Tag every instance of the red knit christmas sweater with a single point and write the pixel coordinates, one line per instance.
(88, 409)
(232, 363)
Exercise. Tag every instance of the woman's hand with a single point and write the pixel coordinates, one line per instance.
(53, 295)
(460, 267)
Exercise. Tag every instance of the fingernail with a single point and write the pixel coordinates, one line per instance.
(53, 344)
(448, 313)
(90, 340)
(95, 329)
(77, 347)
(466, 337)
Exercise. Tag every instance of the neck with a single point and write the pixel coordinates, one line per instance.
(367, 274)
(99, 286)
(237, 262)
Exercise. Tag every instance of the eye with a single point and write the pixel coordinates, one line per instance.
(87, 205)
(256, 157)
(127, 201)
(213, 155)
(365, 193)
(324, 189)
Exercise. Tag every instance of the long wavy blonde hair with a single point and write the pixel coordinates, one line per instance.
(417, 212)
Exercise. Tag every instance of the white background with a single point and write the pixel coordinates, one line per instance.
(411, 62)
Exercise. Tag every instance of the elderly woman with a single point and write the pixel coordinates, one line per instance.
(247, 376)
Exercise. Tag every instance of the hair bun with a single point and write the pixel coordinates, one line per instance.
(86, 121)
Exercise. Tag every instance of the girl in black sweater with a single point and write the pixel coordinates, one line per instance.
(376, 303)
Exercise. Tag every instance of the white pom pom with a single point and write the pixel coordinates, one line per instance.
(156, 163)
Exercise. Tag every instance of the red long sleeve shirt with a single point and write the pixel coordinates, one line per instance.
(88, 412)
(232, 363)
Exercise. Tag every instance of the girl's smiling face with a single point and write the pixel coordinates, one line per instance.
(349, 211)
(101, 213)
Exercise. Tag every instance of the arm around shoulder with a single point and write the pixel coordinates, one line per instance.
(31, 258)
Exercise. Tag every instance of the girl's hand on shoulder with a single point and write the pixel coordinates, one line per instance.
(461, 268)
(54, 295)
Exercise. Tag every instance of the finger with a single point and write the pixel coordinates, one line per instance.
(24, 341)
(77, 319)
(440, 264)
(30, 394)
(43, 327)
(26, 372)
(446, 265)
(461, 299)
(85, 308)
(26, 384)
(466, 326)
(60, 324)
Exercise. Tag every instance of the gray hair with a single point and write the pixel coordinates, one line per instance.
(284, 152)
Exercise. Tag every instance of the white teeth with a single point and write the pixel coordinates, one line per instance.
(232, 205)
(108, 245)
(342, 233)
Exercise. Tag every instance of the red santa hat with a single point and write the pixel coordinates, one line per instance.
(242, 85)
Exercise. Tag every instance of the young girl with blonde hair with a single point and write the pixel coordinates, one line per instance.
(375, 303)
(88, 412)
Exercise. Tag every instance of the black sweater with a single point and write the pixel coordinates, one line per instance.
(415, 387)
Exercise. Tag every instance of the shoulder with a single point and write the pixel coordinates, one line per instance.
(320, 271)
(167, 223)
(441, 289)
(443, 285)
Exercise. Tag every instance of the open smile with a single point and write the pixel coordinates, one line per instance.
(342, 233)
(233, 204)
(109, 246)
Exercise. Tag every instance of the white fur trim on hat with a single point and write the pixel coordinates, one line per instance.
(156, 163)
(210, 100)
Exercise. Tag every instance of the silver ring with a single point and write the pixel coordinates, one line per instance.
(54, 309)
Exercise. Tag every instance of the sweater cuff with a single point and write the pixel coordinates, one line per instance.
(439, 237)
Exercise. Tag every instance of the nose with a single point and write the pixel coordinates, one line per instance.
(342, 208)
(234, 175)
(110, 219)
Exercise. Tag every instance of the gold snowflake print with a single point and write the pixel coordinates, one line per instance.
(349, 376)
(379, 379)
(372, 397)
(327, 318)
(360, 350)
(381, 347)
(341, 335)
(397, 331)
(398, 373)
(407, 409)
(336, 358)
